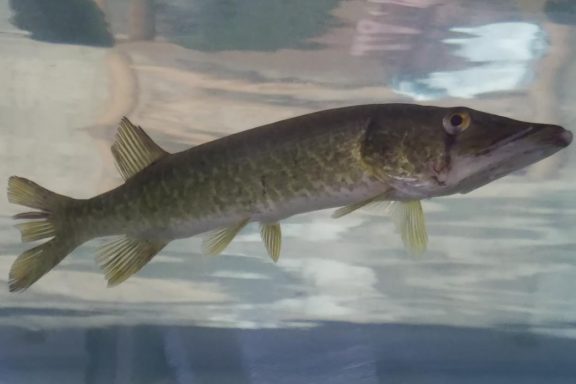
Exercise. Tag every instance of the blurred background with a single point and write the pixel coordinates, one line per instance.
(490, 302)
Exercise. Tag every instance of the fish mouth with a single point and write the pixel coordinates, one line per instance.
(528, 146)
(566, 137)
(552, 135)
(557, 134)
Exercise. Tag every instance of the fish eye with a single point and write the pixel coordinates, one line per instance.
(456, 122)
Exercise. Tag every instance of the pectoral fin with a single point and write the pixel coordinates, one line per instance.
(272, 238)
(409, 220)
(122, 258)
(343, 211)
(217, 241)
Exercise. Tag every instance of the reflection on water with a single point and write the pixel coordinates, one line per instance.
(344, 304)
(329, 352)
(498, 56)
(62, 21)
(257, 25)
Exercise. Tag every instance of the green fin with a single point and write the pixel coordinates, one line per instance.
(122, 258)
(36, 230)
(29, 194)
(35, 262)
(272, 238)
(343, 211)
(409, 220)
(217, 241)
(134, 150)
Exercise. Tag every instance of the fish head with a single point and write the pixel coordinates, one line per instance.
(435, 151)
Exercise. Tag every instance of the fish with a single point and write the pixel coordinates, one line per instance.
(344, 158)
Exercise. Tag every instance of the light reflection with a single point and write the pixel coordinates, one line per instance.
(501, 55)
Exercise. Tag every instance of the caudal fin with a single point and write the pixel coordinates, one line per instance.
(51, 223)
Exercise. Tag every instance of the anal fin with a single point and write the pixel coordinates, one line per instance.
(122, 258)
(272, 238)
(410, 222)
(216, 241)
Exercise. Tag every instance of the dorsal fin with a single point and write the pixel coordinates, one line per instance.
(133, 149)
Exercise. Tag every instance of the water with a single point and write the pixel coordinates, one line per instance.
(491, 301)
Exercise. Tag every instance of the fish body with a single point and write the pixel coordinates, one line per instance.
(264, 175)
(347, 157)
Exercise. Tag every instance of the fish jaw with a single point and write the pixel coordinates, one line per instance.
(473, 170)
(425, 160)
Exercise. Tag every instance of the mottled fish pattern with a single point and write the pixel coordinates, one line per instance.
(345, 158)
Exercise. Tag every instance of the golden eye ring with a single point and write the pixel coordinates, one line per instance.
(456, 122)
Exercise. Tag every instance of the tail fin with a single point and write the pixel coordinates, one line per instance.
(34, 263)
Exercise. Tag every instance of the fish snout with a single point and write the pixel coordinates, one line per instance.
(566, 136)
(558, 135)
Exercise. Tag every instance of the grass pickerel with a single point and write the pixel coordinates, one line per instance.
(343, 158)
